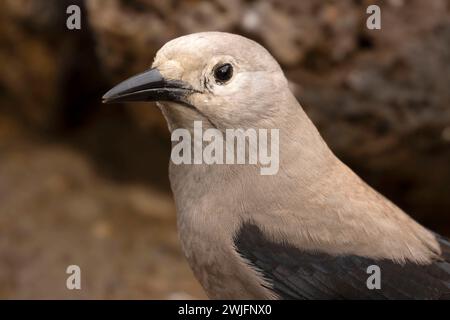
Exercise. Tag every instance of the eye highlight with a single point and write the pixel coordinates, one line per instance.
(223, 73)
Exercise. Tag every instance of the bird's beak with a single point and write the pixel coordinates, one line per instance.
(148, 86)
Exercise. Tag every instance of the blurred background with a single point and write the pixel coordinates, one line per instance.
(85, 183)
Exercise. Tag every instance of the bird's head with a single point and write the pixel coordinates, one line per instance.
(224, 79)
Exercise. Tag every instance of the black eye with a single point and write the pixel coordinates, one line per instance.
(223, 72)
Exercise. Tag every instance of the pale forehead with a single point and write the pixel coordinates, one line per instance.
(201, 47)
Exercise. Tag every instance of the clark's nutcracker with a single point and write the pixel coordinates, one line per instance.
(314, 230)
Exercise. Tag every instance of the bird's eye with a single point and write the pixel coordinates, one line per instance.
(223, 73)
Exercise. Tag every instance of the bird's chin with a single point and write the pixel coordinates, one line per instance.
(180, 115)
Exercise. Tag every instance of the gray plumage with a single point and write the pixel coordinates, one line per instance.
(307, 232)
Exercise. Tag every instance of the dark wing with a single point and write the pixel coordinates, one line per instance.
(297, 274)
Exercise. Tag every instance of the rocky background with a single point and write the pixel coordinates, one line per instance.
(83, 183)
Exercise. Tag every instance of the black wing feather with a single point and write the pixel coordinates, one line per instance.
(298, 274)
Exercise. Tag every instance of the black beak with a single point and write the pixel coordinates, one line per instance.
(148, 86)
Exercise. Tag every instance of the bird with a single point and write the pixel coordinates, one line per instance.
(310, 231)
